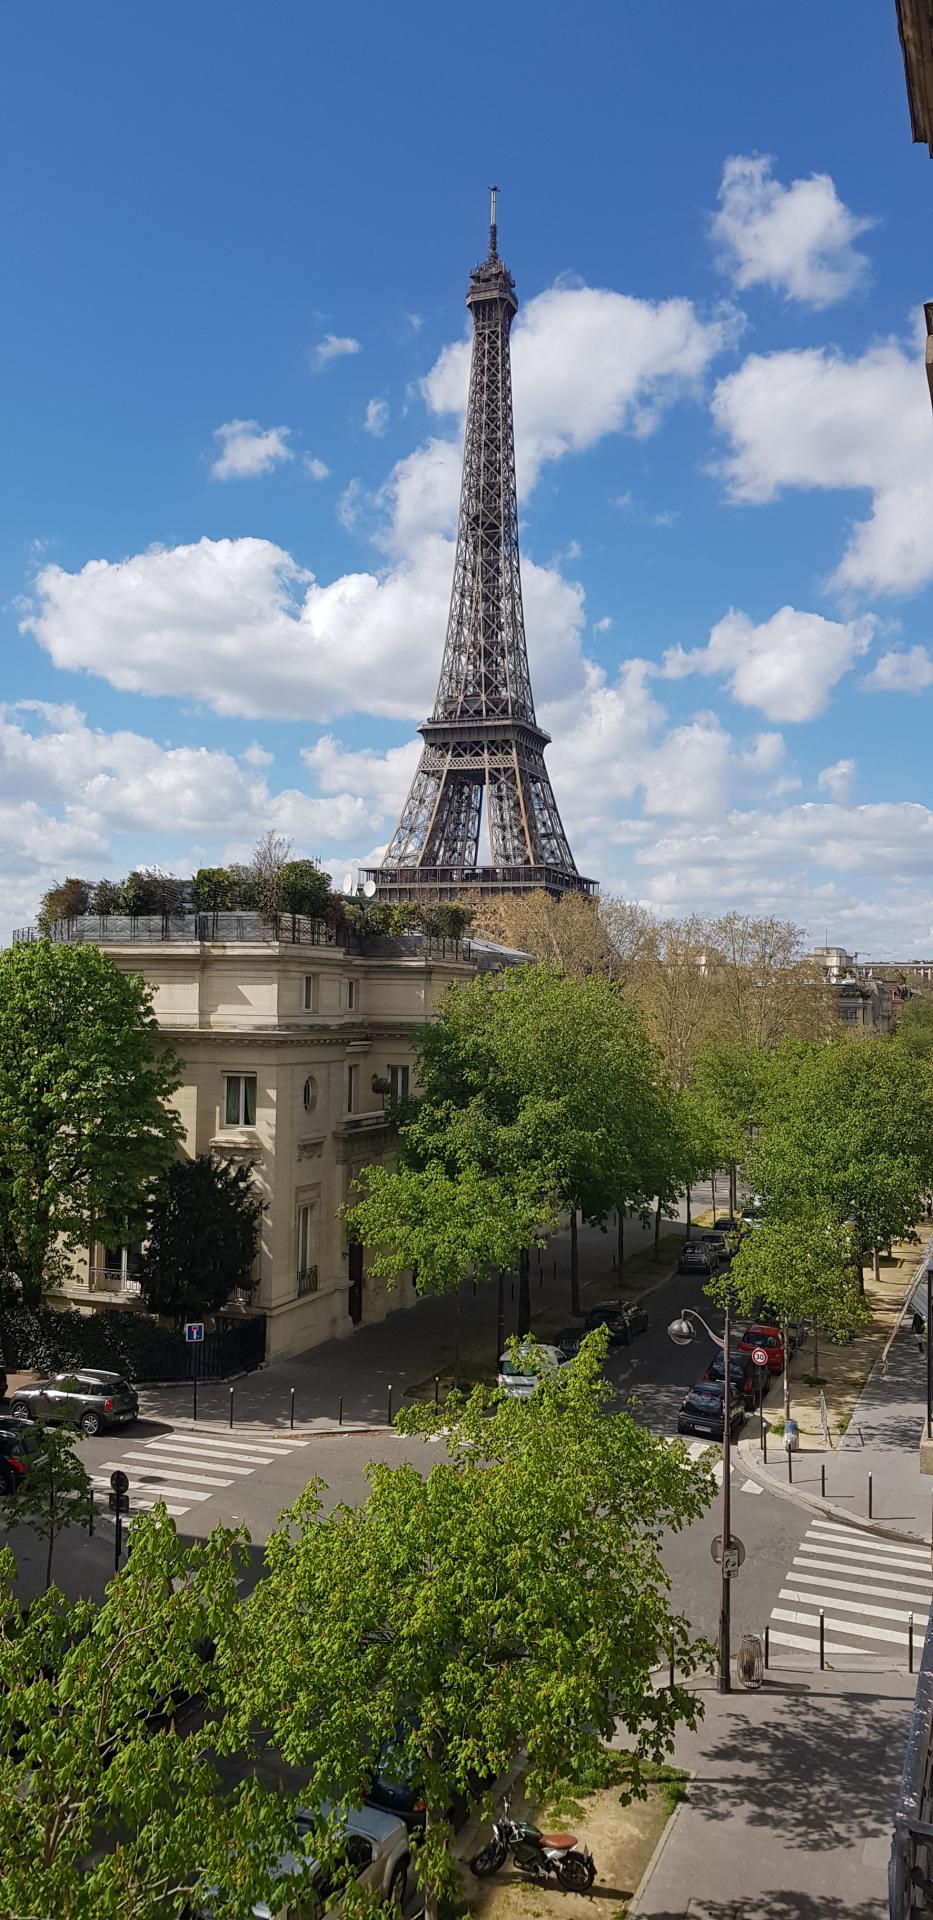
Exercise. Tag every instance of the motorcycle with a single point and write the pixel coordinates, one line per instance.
(535, 1853)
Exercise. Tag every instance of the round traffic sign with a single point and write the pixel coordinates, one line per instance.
(119, 1481)
(759, 1357)
(735, 1552)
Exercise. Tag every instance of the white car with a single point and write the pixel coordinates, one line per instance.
(518, 1376)
(375, 1845)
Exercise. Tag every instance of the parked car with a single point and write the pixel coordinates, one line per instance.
(702, 1412)
(727, 1223)
(14, 1465)
(623, 1319)
(770, 1339)
(519, 1376)
(4, 1383)
(568, 1342)
(742, 1374)
(375, 1850)
(719, 1248)
(90, 1399)
(396, 1790)
(695, 1257)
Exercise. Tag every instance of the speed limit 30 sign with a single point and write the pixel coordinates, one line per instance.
(759, 1357)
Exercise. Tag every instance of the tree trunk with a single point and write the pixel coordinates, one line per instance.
(713, 1184)
(785, 1331)
(500, 1314)
(431, 1904)
(816, 1349)
(733, 1191)
(620, 1218)
(689, 1199)
(48, 1558)
(876, 1266)
(524, 1294)
(574, 1264)
(657, 1229)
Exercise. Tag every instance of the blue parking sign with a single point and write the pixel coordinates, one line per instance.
(194, 1329)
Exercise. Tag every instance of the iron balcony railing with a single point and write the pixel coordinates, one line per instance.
(307, 1280)
(910, 1872)
(109, 1280)
(289, 929)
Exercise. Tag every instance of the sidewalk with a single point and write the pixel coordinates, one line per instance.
(788, 1815)
(405, 1351)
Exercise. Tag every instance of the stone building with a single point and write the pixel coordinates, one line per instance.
(294, 1049)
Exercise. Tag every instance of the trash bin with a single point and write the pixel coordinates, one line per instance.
(791, 1436)
(750, 1665)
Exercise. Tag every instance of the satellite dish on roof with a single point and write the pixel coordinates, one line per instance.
(369, 889)
(347, 883)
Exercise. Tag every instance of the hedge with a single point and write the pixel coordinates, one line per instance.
(50, 1339)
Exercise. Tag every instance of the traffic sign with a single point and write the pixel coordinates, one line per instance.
(194, 1330)
(732, 1558)
(119, 1481)
(759, 1356)
(118, 1502)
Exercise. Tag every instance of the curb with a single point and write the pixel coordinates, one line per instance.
(253, 1429)
(660, 1845)
(748, 1455)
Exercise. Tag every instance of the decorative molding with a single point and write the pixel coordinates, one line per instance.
(310, 1149)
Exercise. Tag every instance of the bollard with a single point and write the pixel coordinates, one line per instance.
(822, 1640)
(291, 1411)
(194, 1396)
(613, 1263)
(823, 1482)
(340, 1411)
(910, 1643)
(764, 1445)
(555, 1269)
(767, 1646)
(231, 1406)
(389, 1413)
(90, 1516)
(790, 1468)
(671, 1676)
(869, 1496)
(437, 1388)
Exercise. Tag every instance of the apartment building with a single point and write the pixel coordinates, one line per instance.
(295, 1050)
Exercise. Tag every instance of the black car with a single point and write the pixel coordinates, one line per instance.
(621, 1319)
(395, 1789)
(568, 1342)
(695, 1257)
(701, 1412)
(727, 1223)
(743, 1375)
(4, 1383)
(13, 1463)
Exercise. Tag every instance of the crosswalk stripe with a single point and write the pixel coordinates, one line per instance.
(179, 1493)
(917, 1599)
(173, 1457)
(802, 1643)
(880, 1577)
(870, 1542)
(848, 1606)
(223, 1456)
(850, 1556)
(843, 1626)
(750, 1486)
(149, 1467)
(146, 1506)
(271, 1444)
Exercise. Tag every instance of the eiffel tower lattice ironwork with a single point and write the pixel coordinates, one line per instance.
(483, 738)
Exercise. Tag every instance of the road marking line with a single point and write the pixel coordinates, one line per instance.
(252, 1449)
(888, 1568)
(147, 1483)
(751, 1486)
(803, 1644)
(870, 1541)
(140, 1463)
(841, 1626)
(919, 1600)
(174, 1457)
(881, 1583)
(261, 1443)
(848, 1606)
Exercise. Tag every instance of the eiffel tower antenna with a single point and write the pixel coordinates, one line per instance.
(483, 741)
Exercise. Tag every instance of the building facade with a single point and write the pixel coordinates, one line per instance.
(281, 1041)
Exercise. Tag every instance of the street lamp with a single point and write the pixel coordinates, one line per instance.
(682, 1333)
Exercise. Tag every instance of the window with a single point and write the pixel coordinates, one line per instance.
(240, 1100)
(120, 1270)
(310, 1094)
(353, 996)
(309, 998)
(398, 1084)
(353, 1075)
(306, 1264)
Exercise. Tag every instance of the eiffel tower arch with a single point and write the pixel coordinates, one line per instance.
(483, 742)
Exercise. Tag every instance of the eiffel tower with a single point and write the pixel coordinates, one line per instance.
(482, 738)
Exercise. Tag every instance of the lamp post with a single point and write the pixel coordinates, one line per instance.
(683, 1333)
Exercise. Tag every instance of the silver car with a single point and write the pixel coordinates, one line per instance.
(374, 1846)
(87, 1397)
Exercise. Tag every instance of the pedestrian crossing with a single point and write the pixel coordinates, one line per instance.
(183, 1469)
(695, 1450)
(867, 1588)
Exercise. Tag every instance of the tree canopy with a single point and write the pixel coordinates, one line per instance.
(85, 1120)
(201, 1240)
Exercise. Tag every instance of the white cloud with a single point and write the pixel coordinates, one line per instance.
(587, 362)
(796, 239)
(382, 778)
(786, 666)
(837, 780)
(333, 347)
(247, 449)
(256, 755)
(350, 504)
(905, 670)
(376, 418)
(604, 625)
(813, 419)
(315, 467)
(764, 754)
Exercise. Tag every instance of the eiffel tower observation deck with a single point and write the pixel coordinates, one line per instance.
(481, 787)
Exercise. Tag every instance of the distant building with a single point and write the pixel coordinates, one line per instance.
(294, 1051)
(869, 992)
(915, 25)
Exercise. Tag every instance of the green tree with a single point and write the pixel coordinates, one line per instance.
(305, 888)
(105, 898)
(914, 1029)
(55, 1494)
(201, 1242)
(803, 1269)
(111, 1803)
(725, 1094)
(64, 901)
(85, 1124)
(213, 890)
(512, 1599)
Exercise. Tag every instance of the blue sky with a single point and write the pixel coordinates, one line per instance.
(233, 349)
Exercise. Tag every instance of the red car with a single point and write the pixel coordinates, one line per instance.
(770, 1339)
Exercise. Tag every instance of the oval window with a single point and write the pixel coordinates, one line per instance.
(310, 1094)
